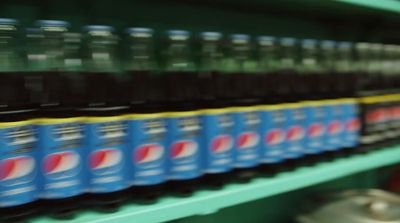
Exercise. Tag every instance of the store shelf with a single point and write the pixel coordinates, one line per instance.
(387, 5)
(206, 202)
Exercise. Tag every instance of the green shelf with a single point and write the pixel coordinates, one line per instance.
(387, 5)
(207, 201)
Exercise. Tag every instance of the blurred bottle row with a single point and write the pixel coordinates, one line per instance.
(49, 66)
(96, 116)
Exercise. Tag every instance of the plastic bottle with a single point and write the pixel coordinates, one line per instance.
(63, 171)
(105, 126)
(19, 158)
(147, 127)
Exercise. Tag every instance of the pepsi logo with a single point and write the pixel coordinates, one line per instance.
(61, 162)
(316, 130)
(275, 136)
(222, 144)
(248, 140)
(295, 133)
(353, 125)
(148, 153)
(16, 167)
(377, 115)
(183, 149)
(105, 158)
(335, 127)
(395, 112)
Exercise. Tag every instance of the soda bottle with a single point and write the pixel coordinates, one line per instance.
(105, 127)
(19, 159)
(239, 66)
(217, 128)
(301, 73)
(60, 132)
(373, 112)
(147, 127)
(183, 121)
(274, 115)
(347, 84)
(319, 60)
(334, 78)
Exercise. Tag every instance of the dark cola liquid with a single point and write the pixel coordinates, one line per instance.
(182, 86)
(228, 87)
(73, 94)
(257, 86)
(144, 87)
(207, 85)
(282, 86)
(138, 86)
(13, 93)
(102, 88)
(46, 87)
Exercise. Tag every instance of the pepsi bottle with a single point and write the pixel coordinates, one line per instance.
(347, 83)
(19, 158)
(276, 58)
(217, 122)
(62, 175)
(105, 127)
(184, 126)
(147, 127)
(241, 64)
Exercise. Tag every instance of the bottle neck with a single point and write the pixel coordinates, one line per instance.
(268, 58)
(210, 57)
(239, 59)
(140, 57)
(45, 51)
(100, 57)
(288, 58)
(309, 60)
(343, 61)
(178, 57)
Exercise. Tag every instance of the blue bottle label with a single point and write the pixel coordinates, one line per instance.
(184, 143)
(352, 125)
(335, 125)
(218, 136)
(296, 132)
(106, 142)
(247, 137)
(315, 127)
(18, 164)
(147, 137)
(63, 156)
(273, 131)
